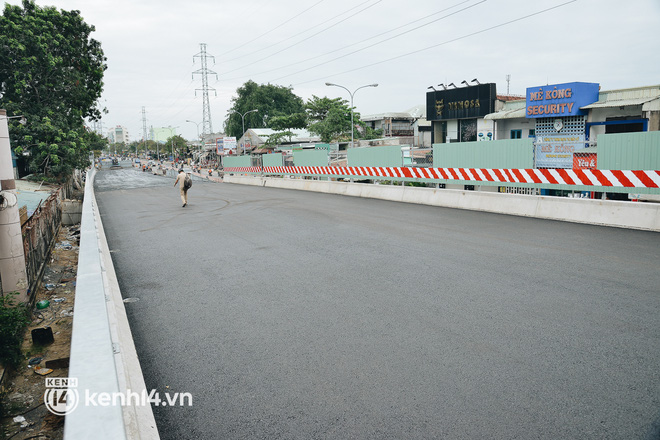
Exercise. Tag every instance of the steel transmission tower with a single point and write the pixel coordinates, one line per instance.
(204, 71)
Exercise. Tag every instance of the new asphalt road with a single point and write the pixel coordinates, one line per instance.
(297, 315)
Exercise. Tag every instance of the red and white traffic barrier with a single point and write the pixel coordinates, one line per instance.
(611, 178)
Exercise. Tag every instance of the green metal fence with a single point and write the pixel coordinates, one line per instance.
(236, 161)
(504, 154)
(272, 160)
(505, 163)
(386, 156)
(310, 158)
(629, 151)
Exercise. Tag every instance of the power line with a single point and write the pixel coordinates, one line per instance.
(363, 41)
(382, 41)
(273, 29)
(443, 43)
(301, 33)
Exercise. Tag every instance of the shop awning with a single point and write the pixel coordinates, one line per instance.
(620, 103)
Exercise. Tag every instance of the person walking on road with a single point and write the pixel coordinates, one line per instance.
(180, 179)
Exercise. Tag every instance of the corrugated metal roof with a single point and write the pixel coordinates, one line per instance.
(393, 115)
(507, 114)
(31, 194)
(619, 103)
(299, 135)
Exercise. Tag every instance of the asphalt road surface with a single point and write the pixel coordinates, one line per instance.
(298, 315)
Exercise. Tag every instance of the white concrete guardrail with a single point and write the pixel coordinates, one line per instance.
(632, 215)
(103, 359)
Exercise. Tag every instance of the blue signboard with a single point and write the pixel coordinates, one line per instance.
(560, 99)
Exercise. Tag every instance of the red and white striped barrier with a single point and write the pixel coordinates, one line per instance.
(611, 178)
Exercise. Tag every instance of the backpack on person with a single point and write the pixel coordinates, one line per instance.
(187, 182)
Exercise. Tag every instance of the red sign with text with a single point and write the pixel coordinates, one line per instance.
(584, 161)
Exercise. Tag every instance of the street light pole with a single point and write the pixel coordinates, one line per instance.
(243, 121)
(198, 138)
(349, 92)
(171, 129)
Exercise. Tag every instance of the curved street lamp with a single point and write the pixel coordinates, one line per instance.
(349, 92)
(21, 121)
(243, 121)
(198, 138)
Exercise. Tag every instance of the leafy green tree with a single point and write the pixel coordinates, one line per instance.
(279, 137)
(51, 72)
(135, 147)
(117, 147)
(180, 145)
(95, 142)
(269, 100)
(369, 133)
(330, 118)
(296, 120)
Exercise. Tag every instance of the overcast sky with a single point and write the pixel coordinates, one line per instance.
(404, 46)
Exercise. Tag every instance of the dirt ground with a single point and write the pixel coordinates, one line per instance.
(25, 415)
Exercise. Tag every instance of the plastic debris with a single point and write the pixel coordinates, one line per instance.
(49, 286)
(131, 300)
(43, 304)
(42, 371)
(35, 361)
(59, 300)
(19, 419)
(64, 245)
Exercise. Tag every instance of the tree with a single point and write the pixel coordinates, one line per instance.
(296, 120)
(277, 138)
(330, 118)
(180, 145)
(269, 100)
(51, 72)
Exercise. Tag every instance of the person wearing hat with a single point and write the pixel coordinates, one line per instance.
(180, 179)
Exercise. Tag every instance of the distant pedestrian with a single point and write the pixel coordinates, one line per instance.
(180, 179)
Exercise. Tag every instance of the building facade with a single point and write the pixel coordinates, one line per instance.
(161, 134)
(118, 135)
(564, 120)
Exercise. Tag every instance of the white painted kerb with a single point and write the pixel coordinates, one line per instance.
(103, 357)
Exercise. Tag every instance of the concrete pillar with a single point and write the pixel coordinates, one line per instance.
(12, 257)
(654, 120)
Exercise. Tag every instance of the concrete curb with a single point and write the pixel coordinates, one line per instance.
(103, 356)
(139, 420)
(630, 215)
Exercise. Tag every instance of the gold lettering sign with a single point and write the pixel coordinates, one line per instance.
(463, 105)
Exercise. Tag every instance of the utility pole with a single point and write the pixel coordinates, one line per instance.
(508, 80)
(144, 131)
(12, 255)
(207, 127)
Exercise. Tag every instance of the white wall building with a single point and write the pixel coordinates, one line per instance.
(118, 135)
